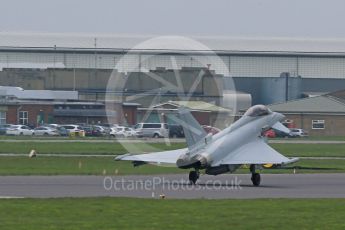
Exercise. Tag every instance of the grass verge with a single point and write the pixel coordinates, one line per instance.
(81, 147)
(288, 149)
(106, 165)
(127, 213)
(310, 150)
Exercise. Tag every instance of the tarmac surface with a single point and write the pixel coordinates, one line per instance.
(237, 186)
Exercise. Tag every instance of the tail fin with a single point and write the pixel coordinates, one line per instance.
(193, 131)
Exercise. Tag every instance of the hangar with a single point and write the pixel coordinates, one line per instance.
(254, 65)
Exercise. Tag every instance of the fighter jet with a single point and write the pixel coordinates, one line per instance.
(242, 143)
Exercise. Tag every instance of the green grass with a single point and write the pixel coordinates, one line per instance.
(100, 165)
(127, 213)
(317, 150)
(308, 150)
(76, 166)
(314, 138)
(83, 147)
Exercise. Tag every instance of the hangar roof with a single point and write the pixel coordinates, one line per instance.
(318, 104)
(195, 106)
(124, 42)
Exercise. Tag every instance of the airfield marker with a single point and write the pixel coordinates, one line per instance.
(32, 153)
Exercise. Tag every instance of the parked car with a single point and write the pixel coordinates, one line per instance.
(19, 130)
(45, 131)
(73, 128)
(54, 126)
(61, 130)
(210, 129)
(126, 132)
(101, 130)
(92, 131)
(130, 132)
(118, 131)
(107, 127)
(121, 131)
(3, 128)
(113, 132)
(152, 129)
(88, 130)
(134, 133)
(298, 133)
(176, 131)
(270, 133)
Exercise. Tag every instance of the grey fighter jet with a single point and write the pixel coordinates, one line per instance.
(241, 143)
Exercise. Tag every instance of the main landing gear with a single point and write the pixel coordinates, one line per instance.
(256, 178)
(193, 176)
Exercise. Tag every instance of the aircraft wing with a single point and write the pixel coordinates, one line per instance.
(165, 157)
(255, 152)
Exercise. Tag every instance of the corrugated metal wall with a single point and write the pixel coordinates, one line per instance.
(238, 66)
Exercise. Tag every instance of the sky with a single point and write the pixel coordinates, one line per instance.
(234, 18)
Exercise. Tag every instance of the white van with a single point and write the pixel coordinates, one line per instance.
(152, 129)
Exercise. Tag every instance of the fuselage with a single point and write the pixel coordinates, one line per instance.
(226, 142)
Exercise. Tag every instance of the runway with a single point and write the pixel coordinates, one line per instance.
(175, 186)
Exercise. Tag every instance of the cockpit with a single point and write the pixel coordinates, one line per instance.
(258, 110)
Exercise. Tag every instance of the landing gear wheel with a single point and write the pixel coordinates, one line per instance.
(193, 176)
(256, 179)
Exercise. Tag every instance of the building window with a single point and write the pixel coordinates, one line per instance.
(318, 124)
(2, 117)
(23, 118)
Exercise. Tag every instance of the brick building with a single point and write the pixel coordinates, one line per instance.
(36, 107)
(319, 116)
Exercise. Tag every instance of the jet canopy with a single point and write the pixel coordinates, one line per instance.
(258, 110)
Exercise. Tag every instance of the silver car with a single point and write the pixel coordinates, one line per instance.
(45, 131)
(298, 133)
(152, 129)
(19, 130)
